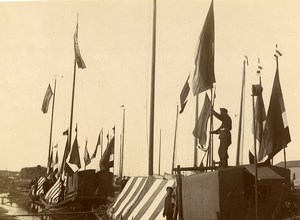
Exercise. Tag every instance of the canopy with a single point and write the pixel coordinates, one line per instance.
(141, 198)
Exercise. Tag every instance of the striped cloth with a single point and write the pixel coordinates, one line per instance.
(141, 198)
(40, 189)
(52, 196)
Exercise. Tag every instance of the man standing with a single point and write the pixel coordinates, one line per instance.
(224, 135)
(169, 204)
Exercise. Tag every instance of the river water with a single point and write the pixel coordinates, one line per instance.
(19, 206)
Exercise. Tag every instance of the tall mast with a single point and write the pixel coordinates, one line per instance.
(51, 126)
(122, 144)
(175, 137)
(195, 140)
(159, 155)
(152, 101)
(241, 119)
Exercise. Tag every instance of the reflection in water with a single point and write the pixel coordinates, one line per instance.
(19, 206)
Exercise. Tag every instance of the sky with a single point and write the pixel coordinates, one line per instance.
(115, 40)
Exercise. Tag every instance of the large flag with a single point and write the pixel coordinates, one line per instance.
(74, 156)
(184, 94)
(204, 75)
(52, 196)
(79, 60)
(276, 134)
(47, 99)
(98, 144)
(200, 129)
(86, 157)
(107, 159)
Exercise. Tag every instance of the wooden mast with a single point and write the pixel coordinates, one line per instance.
(195, 139)
(152, 101)
(175, 137)
(241, 118)
(51, 127)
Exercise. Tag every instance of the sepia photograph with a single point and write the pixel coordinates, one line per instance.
(150, 109)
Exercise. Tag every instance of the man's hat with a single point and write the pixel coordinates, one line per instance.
(224, 110)
(170, 188)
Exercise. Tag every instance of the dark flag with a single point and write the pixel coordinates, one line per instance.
(55, 167)
(259, 120)
(87, 159)
(74, 156)
(201, 124)
(204, 75)
(50, 165)
(107, 159)
(66, 153)
(47, 99)
(98, 144)
(276, 134)
(79, 60)
(184, 94)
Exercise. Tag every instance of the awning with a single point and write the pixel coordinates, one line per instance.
(264, 173)
(141, 198)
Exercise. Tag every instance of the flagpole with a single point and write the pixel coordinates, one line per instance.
(152, 101)
(51, 126)
(175, 137)
(241, 126)
(159, 155)
(120, 163)
(195, 139)
(123, 136)
(101, 141)
(255, 156)
(277, 66)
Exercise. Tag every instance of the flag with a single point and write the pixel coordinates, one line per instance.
(66, 153)
(40, 183)
(107, 159)
(98, 143)
(276, 134)
(55, 167)
(52, 196)
(87, 159)
(50, 165)
(184, 94)
(201, 124)
(74, 156)
(204, 74)
(259, 120)
(79, 60)
(47, 99)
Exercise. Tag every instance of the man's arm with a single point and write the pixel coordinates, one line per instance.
(216, 114)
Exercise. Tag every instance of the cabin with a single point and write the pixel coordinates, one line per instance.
(33, 172)
(230, 193)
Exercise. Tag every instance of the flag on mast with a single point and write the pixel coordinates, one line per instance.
(200, 130)
(184, 94)
(47, 99)
(74, 156)
(87, 159)
(276, 134)
(204, 74)
(79, 60)
(107, 159)
(98, 144)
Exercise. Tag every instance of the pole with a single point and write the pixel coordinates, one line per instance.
(120, 166)
(51, 126)
(159, 155)
(255, 160)
(123, 136)
(195, 139)
(175, 137)
(152, 101)
(179, 182)
(101, 141)
(239, 144)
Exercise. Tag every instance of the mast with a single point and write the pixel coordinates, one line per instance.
(241, 118)
(122, 147)
(159, 155)
(51, 126)
(195, 139)
(152, 101)
(175, 137)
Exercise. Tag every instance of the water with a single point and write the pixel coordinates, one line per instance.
(19, 205)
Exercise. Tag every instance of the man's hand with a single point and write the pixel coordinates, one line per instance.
(164, 214)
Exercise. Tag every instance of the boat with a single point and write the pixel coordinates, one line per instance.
(73, 189)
